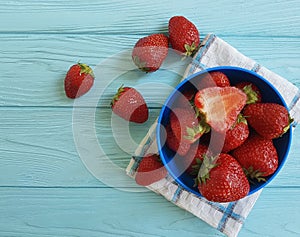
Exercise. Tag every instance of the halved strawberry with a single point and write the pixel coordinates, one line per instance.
(220, 106)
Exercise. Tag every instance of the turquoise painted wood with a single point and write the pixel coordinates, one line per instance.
(45, 188)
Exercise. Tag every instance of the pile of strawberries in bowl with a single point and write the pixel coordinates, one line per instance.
(224, 133)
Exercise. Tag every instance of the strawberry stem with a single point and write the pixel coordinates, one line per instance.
(252, 96)
(208, 163)
(84, 68)
(117, 95)
(252, 175)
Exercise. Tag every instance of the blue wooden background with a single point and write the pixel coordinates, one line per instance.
(45, 190)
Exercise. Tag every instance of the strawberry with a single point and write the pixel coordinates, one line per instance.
(220, 106)
(130, 105)
(184, 35)
(150, 170)
(251, 90)
(195, 157)
(174, 144)
(258, 157)
(236, 135)
(185, 99)
(270, 120)
(221, 179)
(213, 79)
(149, 52)
(185, 125)
(79, 80)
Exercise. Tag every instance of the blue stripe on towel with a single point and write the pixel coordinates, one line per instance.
(196, 61)
(228, 213)
(177, 194)
(294, 100)
(256, 67)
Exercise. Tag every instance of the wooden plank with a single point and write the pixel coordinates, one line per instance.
(37, 148)
(109, 212)
(235, 17)
(40, 150)
(34, 66)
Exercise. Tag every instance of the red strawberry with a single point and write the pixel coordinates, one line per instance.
(183, 34)
(236, 135)
(195, 157)
(251, 90)
(150, 170)
(79, 80)
(220, 106)
(185, 99)
(149, 52)
(129, 104)
(185, 125)
(270, 120)
(212, 79)
(258, 156)
(221, 179)
(174, 144)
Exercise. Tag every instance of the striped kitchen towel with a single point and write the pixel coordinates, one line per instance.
(228, 218)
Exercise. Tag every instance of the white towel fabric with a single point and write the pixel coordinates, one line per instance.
(228, 218)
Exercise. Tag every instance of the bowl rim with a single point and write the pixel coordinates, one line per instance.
(188, 78)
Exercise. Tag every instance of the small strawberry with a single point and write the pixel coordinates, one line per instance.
(184, 35)
(270, 120)
(258, 157)
(185, 99)
(150, 170)
(185, 125)
(236, 135)
(130, 105)
(213, 79)
(195, 157)
(79, 80)
(220, 106)
(221, 179)
(149, 52)
(174, 144)
(251, 90)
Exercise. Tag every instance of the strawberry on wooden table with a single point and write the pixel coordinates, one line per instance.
(220, 106)
(270, 120)
(79, 80)
(183, 34)
(258, 157)
(130, 105)
(149, 52)
(150, 170)
(221, 179)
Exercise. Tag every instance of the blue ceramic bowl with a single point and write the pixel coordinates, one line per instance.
(173, 161)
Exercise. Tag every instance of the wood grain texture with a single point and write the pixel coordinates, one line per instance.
(93, 212)
(237, 17)
(38, 148)
(33, 71)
